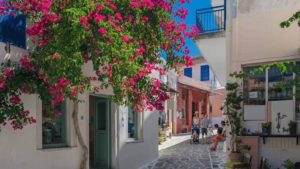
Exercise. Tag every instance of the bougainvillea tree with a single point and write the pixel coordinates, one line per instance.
(123, 40)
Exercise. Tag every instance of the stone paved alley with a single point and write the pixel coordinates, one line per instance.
(184, 155)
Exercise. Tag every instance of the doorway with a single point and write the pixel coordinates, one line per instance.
(100, 133)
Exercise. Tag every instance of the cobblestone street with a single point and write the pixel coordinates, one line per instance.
(188, 156)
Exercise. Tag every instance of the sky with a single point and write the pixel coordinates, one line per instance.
(190, 20)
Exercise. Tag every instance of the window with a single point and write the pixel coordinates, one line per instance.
(254, 88)
(12, 30)
(204, 73)
(54, 127)
(276, 78)
(188, 72)
(134, 125)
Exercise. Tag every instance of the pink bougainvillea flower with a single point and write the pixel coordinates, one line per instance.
(113, 6)
(115, 60)
(140, 51)
(74, 92)
(99, 7)
(119, 17)
(26, 63)
(84, 22)
(58, 98)
(2, 83)
(15, 100)
(102, 31)
(32, 120)
(148, 4)
(55, 56)
(144, 18)
(25, 113)
(57, 113)
(135, 4)
(182, 13)
(8, 72)
(52, 90)
(156, 82)
(99, 18)
(188, 61)
(63, 82)
(125, 39)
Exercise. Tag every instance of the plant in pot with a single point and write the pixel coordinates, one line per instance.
(232, 109)
(293, 127)
(288, 164)
(266, 128)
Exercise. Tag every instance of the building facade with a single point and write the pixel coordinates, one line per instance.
(245, 34)
(202, 74)
(115, 135)
(196, 93)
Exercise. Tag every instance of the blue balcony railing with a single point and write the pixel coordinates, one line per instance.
(211, 20)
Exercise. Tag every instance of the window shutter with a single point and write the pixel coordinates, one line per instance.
(12, 29)
(204, 73)
(188, 72)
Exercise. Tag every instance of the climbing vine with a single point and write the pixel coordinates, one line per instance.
(123, 40)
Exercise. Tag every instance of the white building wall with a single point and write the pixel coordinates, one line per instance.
(135, 154)
(22, 149)
(213, 50)
(254, 37)
(196, 74)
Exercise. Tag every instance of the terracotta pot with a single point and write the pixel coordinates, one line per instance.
(235, 157)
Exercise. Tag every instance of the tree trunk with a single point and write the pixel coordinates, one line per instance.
(82, 144)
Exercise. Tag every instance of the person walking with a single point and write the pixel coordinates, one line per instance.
(204, 126)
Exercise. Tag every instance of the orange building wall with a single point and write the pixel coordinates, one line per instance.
(217, 102)
(198, 96)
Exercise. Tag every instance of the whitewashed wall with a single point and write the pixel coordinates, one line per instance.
(254, 37)
(23, 149)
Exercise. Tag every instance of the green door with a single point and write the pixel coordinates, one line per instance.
(102, 134)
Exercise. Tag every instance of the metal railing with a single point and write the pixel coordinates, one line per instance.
(211, 20)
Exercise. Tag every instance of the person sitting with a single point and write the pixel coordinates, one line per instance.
(215, 141)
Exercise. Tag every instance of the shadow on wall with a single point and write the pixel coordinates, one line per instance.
(134, 154)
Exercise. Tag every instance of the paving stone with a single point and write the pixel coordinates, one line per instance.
(188, 156)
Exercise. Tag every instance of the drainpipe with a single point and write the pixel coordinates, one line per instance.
(229, 36)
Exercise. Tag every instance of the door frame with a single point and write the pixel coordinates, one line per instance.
(92, 111)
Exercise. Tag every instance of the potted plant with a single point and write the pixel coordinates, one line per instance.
(293, 127)
(232, 109)
(288, 164)
(266, 128)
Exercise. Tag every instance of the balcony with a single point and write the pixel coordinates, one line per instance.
(211, 23)
(211, 20)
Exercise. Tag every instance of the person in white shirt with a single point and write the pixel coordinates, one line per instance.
(196, 124)
(204, 126)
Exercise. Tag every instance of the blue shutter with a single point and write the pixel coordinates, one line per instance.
(204, 73)
(12, 30)
(188, 72)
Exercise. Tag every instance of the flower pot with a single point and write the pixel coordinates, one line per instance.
(235, 157)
